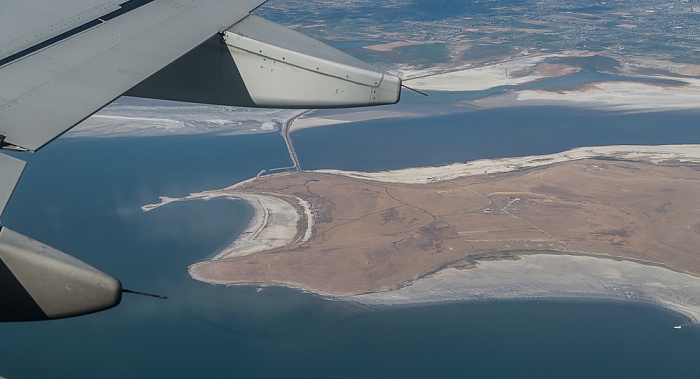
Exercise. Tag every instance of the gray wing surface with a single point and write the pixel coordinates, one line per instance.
(47, 92)
(48, 19)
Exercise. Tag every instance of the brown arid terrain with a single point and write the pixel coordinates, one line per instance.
(371, 236)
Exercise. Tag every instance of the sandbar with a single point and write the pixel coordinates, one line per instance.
(640, 93)
(312, 120)
(621, 96)
(516, 71)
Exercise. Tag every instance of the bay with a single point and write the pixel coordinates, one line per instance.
(83, 196)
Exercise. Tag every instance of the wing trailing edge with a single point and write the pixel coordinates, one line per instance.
(46, 93)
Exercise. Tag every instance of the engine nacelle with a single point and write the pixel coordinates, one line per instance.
(38, 282)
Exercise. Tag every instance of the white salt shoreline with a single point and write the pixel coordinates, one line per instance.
(479, 78)
(642, 93)
(420, 175)
(274, 223)
(616, 96)
(547, 276)
(535, 277)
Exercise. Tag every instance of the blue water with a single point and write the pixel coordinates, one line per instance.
(480, 134)
(83, 196)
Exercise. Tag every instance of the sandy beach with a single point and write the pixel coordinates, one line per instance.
(626, 96)
(656, 154)
(546, 276)
(517, 71)
(344, 117)
(642, 93)
(156, 118)
(622, 96)
(276, 222)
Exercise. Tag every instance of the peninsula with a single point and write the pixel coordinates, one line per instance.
(611, 222)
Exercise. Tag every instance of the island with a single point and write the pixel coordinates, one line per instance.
(616, 222)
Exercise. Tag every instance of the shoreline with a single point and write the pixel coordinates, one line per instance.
(517, 70)
(532, 276)
(606, 95)
(268, 228)
(528, 277)
(310, 120)
(543, 276)
(422, 175)
(277, 221)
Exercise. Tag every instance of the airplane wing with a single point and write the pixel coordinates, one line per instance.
(46, 92)
(60, 62)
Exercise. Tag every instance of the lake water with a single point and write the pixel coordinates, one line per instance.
(480, 134)
(84, 196)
